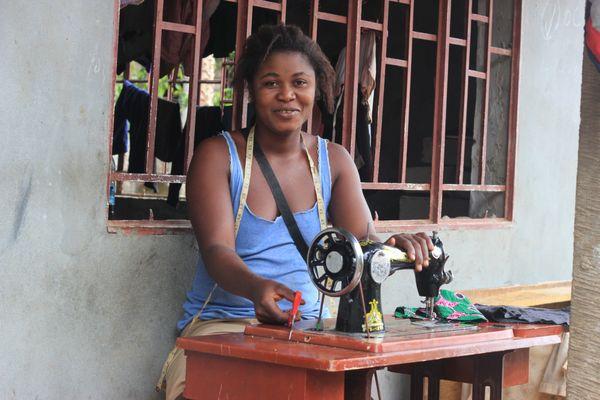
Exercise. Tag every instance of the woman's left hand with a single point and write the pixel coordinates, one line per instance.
(417, 246)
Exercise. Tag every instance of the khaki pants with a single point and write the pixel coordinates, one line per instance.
(172, 378)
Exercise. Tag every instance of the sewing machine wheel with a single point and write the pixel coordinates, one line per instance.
(335, 262)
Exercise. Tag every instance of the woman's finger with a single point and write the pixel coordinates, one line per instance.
(430, 245)
(418, 253)
(424, 250)
(402, 242)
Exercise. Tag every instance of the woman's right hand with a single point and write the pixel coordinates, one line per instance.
(265, 296)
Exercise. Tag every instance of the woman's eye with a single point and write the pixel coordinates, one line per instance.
(301, 82)
(270, 84)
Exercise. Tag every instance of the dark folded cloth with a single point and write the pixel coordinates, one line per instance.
(531, 315)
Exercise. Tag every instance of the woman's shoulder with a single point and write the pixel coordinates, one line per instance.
(339, 159)
(212, 153)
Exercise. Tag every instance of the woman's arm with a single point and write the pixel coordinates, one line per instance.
(348, 208)
(211, 214)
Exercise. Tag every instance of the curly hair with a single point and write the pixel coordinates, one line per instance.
(285, 38)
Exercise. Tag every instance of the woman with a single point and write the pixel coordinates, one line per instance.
(249, 265)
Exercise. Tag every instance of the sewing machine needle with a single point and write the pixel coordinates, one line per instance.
(294, 312)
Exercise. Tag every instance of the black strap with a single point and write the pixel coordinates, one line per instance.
(280, 201)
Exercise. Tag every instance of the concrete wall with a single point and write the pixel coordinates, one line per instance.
(83, 314)
(86, 314)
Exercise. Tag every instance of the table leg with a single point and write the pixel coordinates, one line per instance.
(488, 372)
(357, 384)
(431, 371)
(416, 386)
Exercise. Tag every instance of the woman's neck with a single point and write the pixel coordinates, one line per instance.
(277, 143)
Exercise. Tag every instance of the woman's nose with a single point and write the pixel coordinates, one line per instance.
(286, 93)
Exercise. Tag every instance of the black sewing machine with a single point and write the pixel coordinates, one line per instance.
(341, 266)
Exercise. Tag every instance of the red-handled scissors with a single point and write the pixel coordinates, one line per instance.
(294, 312)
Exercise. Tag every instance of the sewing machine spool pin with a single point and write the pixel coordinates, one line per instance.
(338, 264)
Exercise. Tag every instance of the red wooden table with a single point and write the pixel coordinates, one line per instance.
(262, 364)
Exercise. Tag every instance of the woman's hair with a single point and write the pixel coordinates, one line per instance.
(285, 38)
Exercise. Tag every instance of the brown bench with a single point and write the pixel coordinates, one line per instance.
(554, 294)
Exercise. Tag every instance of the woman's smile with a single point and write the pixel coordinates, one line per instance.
(287, 112)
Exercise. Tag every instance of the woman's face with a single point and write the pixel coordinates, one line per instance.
(284, 92)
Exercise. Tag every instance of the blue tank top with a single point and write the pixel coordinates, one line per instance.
(267, 248)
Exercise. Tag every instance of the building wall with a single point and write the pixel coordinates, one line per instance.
(83, 314)
(87, 314)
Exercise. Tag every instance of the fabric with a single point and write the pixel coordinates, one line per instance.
(367, 68)
(135, 35)
(178, 47)
(266, 248)
(133, 105)
(120, 132)
(208, 123)
(172, 378)
(136, 30)
(449, 306)
(125, 3)
(222, 27)
(362, 155)
(367, 71)
(221, 41)
(531, 315)
(554, 381)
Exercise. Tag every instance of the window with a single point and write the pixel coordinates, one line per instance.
(430, 117)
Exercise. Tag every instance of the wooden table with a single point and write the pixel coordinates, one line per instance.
(262, 364)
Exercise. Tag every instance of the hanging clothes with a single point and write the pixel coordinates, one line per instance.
(177, 47)
(136, 30)
(120, 131)
(125, 3)
(133, 105)
(366, 84)
(367, 69)
(135, 35)
(209, 122)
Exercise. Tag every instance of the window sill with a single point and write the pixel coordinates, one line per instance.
(183, 227)
(150, 227)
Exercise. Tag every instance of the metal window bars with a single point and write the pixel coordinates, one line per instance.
(354, 25)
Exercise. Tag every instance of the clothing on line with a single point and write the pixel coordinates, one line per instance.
(209, 122)
(136, 30)
(125, 3)
(133, 105)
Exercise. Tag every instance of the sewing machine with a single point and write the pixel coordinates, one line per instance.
(336, 359)
(341, 266)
